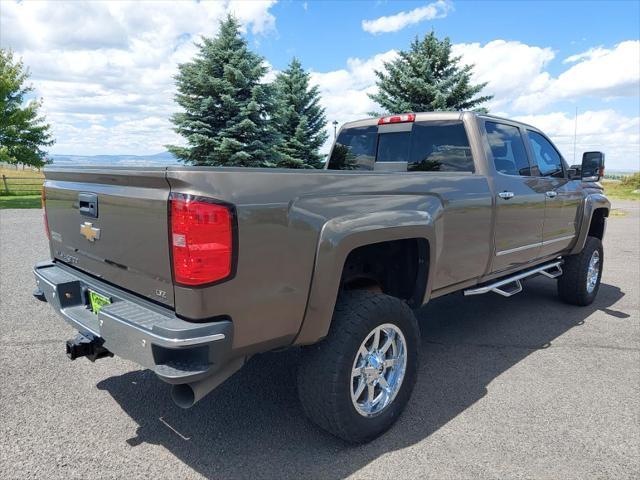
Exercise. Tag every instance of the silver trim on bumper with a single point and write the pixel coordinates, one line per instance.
(131, 327)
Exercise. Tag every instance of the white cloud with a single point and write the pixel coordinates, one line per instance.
(271, 74)
(588, 55)
(63, 25)
(105, 69)
(598, 73)
(255, 14)
(345, 92)
(393, 23)
(141, 135)
(517, 76)
(603, 130)
(510, 68)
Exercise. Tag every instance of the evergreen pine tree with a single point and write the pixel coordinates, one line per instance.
(23, 131)
(299, 118)
(226, 118)
(426, 78)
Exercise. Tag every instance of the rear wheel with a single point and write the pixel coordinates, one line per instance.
(357, 381)
(580, 282)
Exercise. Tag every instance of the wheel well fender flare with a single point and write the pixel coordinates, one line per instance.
(339, 237)
(592, 203)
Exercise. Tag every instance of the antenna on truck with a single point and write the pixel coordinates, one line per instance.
(575, 135)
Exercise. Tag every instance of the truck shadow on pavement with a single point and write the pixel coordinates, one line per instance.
(253, 426)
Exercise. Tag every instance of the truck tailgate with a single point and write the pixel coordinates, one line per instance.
(113, 224)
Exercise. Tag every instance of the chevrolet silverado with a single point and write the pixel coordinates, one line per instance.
(190, 271)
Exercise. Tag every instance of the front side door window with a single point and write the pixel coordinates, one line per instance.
(563, 197)
(547, 158)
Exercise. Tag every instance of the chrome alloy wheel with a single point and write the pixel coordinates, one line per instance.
(378, 370)
(593, 272)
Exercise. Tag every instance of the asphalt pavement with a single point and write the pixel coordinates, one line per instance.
(525, 387)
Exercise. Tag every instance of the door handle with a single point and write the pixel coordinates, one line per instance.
(551, 194)
(506, 195)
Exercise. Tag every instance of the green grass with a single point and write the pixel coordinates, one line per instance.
(21, 183)
(621, 190)
(616, 212)
(19, 172)
(20, 201)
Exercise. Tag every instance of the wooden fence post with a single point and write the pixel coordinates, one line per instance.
(4, 180)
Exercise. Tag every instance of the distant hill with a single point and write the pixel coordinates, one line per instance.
(164, 158)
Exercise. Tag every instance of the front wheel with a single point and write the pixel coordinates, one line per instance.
(580, 282)
(357, 381)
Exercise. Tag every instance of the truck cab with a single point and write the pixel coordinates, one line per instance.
(537, 201)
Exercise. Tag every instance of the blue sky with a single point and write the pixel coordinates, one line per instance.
(105, 69)
(326, 33)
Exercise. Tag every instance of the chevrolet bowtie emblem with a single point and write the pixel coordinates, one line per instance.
(88, 231)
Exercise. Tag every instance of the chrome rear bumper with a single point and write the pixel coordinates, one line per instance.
(136, 329)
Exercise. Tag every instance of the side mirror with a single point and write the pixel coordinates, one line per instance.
(575, 172)
(592, 166)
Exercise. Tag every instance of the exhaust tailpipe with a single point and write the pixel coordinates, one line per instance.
(186, 395)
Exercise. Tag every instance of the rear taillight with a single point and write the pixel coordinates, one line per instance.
(202, 239)
(405, 117)
(43, 197)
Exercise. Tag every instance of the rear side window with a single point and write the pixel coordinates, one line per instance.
(440, 147)
(507, 148)
(393, 147)
(355, 149)
(547, 157)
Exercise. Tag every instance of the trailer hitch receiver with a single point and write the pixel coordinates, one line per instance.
(85, 346)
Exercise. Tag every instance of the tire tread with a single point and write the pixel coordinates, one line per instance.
(572, 283)
(320, 385)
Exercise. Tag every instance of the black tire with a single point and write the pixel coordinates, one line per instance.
(325, 378)
(572, 284)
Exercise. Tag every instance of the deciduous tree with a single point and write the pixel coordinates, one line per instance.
(24, 133)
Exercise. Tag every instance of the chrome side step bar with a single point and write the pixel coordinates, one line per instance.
(507, 287)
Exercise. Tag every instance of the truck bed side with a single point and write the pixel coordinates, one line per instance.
(296, 228)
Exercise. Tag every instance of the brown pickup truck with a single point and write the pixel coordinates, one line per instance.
(189, 271)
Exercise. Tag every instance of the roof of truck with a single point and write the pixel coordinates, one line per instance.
(497, 117)
(421, 116)
(438, 115)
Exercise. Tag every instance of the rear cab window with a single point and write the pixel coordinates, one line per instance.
(440, 146)
(431, 146)
(355, 149)
(393, 147)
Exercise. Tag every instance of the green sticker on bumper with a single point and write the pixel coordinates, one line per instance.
(97, 301)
